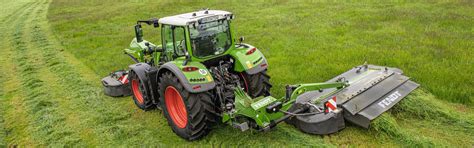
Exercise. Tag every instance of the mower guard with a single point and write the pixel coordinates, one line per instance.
(319, 124)
(372, 91)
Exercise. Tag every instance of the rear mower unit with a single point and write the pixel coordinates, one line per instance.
(199, 75)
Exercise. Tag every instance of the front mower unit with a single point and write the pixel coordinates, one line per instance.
(372, 90)
(116, 84)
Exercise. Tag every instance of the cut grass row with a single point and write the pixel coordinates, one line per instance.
(49, 121)
(49, 125)
(6, 17)
(16, 121)
(422, 114)
(54, 115)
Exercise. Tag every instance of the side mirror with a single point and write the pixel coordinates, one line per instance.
(139, 33)
(241, 39)
(155, 23)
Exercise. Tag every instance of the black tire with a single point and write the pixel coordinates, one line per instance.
(200, 109)
(140, 92)
(256, 85)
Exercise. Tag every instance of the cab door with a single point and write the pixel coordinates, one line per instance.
(174, 42)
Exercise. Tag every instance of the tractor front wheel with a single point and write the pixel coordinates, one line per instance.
(190, 115)
(140, 94)
(256, 85)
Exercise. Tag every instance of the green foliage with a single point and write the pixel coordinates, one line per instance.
(51, 66)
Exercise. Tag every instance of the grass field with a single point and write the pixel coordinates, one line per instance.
(55, 53)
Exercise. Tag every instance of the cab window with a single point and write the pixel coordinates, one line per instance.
(174, 40)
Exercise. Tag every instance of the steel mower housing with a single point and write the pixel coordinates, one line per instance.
(200, 75)
(116, 84)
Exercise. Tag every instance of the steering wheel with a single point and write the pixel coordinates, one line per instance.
(181, 45)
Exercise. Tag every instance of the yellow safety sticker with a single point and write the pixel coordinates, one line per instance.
(249, 65)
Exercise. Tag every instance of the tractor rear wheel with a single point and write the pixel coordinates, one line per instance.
(256, 85)
(190, 115)
(141, 97)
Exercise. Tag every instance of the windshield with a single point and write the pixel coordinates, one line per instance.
(211, 38)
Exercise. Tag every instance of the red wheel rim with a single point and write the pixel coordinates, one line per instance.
(175, 106)
(136, 91)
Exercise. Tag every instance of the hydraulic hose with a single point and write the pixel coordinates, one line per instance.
(133, 58)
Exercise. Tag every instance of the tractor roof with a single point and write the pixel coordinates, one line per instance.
(188, 18)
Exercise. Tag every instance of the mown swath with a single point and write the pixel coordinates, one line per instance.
(42, 109)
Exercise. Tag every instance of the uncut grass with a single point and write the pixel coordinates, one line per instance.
(305, 41)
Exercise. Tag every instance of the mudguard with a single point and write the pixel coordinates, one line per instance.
(250, 63)
(194, 81)
(140, 69)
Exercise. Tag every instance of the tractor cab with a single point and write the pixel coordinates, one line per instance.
(203, 34)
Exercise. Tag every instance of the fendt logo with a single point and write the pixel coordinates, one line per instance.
(390, 99)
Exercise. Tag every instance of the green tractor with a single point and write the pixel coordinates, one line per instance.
(200, 75)
(190, 75)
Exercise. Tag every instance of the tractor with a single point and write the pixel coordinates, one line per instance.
(201, 74)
